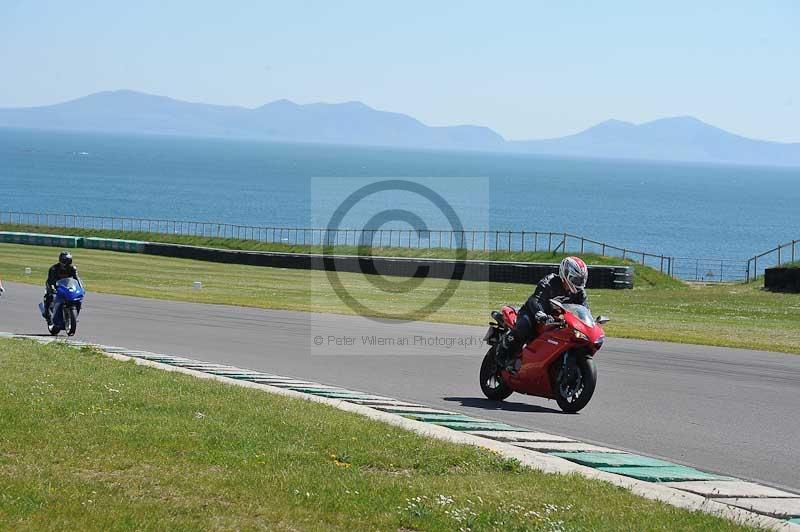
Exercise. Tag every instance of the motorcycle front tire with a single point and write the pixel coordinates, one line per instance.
(589, 376)
(71, 319)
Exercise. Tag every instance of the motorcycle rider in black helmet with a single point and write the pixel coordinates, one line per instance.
(63, 269)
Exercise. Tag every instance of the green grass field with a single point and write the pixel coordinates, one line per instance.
(90, 443)
(740, 315)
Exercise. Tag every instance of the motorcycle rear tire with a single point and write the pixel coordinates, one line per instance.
(589, 376)
(489, 370)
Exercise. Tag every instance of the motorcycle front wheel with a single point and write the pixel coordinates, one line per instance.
(574, 395)
(70, 320)
(492, 384)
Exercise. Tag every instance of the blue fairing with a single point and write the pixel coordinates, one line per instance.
(69, 291)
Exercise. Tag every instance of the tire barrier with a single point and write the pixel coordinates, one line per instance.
(34, 239)
(617, 277)
(782, 279)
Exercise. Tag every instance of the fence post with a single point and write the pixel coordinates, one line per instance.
(582, 244)
(697, 270)
(522, 242)
(793, 243)
(549, 241)
(779, 254)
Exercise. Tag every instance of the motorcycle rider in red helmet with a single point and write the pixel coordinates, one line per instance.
(569, 286)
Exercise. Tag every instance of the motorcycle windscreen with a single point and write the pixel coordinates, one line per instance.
(68, 283)
(70, 288)
(581, 312)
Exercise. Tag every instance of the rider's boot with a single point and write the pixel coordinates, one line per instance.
(507, 350)
(46, 313)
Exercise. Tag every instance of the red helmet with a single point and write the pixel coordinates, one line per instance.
(573, 273)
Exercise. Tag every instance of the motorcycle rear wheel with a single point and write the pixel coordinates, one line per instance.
(492, 384)
(587, 384)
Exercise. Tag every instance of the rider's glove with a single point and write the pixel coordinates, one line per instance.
(540, 317)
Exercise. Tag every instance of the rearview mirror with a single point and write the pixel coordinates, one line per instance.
(602, 319)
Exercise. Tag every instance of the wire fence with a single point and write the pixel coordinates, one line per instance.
(780, 255)
(473, 240)
(709, 270)
(692, 269)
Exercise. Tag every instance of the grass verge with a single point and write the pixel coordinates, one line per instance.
(90, 443)
(742, 315)
(643, 275)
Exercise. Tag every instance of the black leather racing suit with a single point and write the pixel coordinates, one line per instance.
(56, 272)
(550, 287)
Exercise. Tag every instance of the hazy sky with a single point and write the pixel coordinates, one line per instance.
(527, 69)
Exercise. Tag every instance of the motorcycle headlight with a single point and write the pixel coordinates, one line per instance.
(580, 336)
(599, 342)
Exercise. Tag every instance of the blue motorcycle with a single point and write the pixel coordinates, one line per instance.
(66, 306)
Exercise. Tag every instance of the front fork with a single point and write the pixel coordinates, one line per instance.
(567, 371)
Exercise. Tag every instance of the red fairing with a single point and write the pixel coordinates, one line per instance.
(594, 333)
(537, 357)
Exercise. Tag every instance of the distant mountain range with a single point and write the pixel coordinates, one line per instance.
(670, 139)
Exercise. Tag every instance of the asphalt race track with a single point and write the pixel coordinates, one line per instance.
(728, 411)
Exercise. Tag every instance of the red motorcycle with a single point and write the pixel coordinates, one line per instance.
(557, 364)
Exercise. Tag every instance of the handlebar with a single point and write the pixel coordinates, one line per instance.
(554, 323)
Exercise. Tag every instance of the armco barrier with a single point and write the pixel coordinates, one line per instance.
(782, 279)
(34, 239)
(492, 271)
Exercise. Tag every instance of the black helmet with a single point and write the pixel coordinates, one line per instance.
(65, 258)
